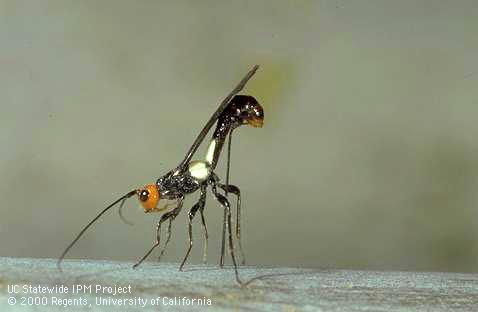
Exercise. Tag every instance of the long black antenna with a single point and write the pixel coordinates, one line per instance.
(122, 198)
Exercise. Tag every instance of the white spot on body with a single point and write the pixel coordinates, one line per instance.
(200, 170)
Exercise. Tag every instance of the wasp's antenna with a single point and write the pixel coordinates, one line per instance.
(120, 212)
(122, 198)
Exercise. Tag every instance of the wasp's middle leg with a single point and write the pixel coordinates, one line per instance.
(198, 206)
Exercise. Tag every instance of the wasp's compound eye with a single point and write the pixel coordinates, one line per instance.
(149, 197)
(143, 195)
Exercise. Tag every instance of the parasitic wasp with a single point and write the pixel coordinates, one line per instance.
(191, 176)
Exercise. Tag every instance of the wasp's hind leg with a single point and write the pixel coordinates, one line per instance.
(225, 203)
(236, 191)
(167, 216)
(198, 206)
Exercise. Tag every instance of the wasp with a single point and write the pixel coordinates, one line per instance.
(192, 176)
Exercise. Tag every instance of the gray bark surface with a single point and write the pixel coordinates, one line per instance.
(269, 289)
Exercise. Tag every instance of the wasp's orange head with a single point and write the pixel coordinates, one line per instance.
(149, 197)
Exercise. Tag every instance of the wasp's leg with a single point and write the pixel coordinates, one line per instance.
(236, 191)
(167, 216)
(173, 214)
(167, 239)
(214, 181)
(192, 213)
(223, 241)
(225, 203)
(199, 205)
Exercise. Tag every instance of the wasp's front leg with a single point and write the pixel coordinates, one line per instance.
(167, 216)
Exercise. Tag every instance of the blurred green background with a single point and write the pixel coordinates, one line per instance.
(368, 158)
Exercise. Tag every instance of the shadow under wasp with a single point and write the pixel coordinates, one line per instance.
(191, 176)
